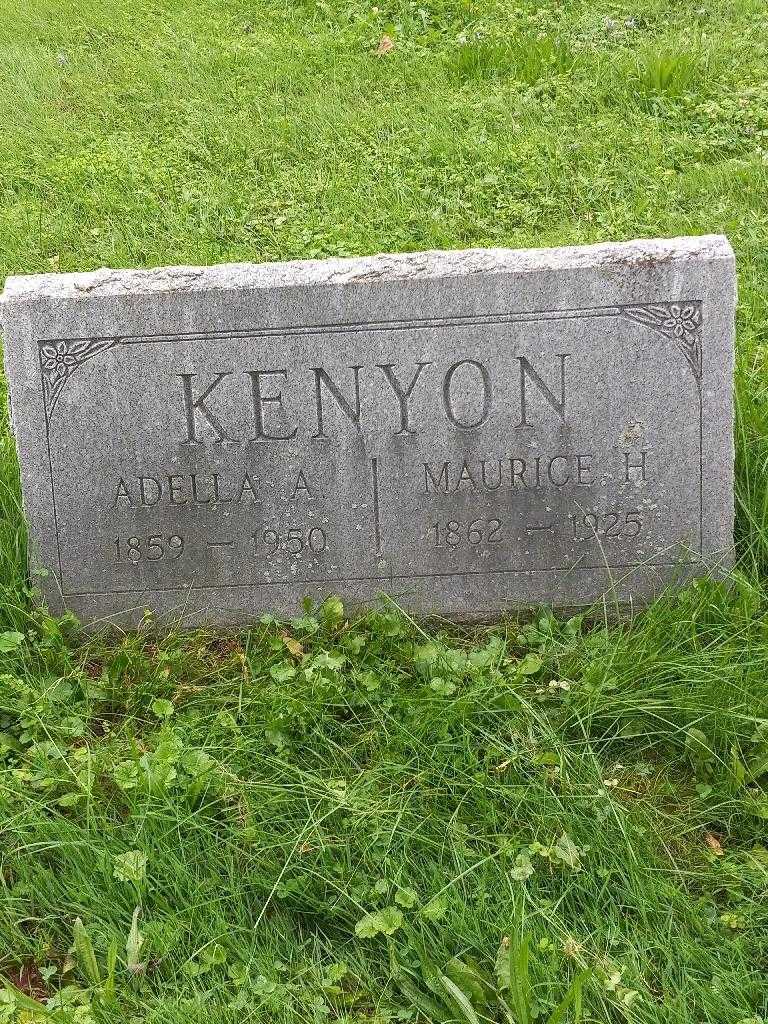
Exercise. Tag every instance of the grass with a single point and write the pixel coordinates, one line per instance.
(368, 821)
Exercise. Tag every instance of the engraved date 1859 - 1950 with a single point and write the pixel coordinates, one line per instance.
(265, 541)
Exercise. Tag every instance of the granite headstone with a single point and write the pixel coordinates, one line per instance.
(471, 432)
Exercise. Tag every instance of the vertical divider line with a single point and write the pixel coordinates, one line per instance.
(376, 518)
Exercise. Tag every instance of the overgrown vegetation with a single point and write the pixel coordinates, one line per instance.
(371, 821)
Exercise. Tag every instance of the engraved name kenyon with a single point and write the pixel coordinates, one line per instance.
(469, 377)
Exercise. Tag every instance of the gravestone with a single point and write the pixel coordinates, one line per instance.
(470, 432)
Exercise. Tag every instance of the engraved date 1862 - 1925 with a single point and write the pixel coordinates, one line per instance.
(619, 524)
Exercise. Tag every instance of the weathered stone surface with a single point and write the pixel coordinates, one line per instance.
(471, 432)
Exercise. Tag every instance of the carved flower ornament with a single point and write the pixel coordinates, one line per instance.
(57, 360)
(679, 321)
(60, 359)
(683, 321)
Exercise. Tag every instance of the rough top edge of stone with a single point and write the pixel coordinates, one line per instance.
(363, 269)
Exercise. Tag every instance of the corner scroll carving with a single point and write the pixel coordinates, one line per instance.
(60, 359)
(679, 321)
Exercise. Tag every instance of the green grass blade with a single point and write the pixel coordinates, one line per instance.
(461, 1000)
(86, 955)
